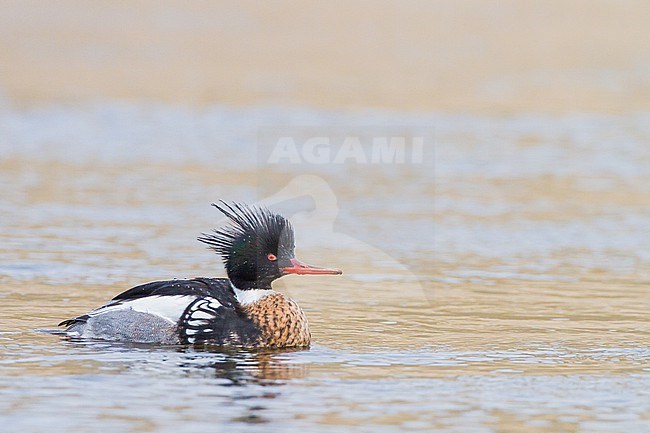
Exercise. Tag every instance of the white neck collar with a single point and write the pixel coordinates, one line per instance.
(247, 297)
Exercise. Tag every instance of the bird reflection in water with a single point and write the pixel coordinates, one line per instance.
(243, 367)
(257, 373)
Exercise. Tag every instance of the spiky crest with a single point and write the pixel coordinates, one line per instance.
(244, 244)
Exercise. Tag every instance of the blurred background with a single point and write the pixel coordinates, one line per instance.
(495, 278)
(452, 56)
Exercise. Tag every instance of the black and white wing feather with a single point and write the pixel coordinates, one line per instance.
(207, 321)
(165, 299)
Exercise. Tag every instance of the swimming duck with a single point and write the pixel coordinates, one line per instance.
(257, 247)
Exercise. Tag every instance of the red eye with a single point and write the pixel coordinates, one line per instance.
(271, 257)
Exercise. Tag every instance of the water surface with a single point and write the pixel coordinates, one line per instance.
(499, 285)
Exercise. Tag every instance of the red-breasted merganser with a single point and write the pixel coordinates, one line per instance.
(241, 310)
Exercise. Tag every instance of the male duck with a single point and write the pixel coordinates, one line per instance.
(241, 310)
